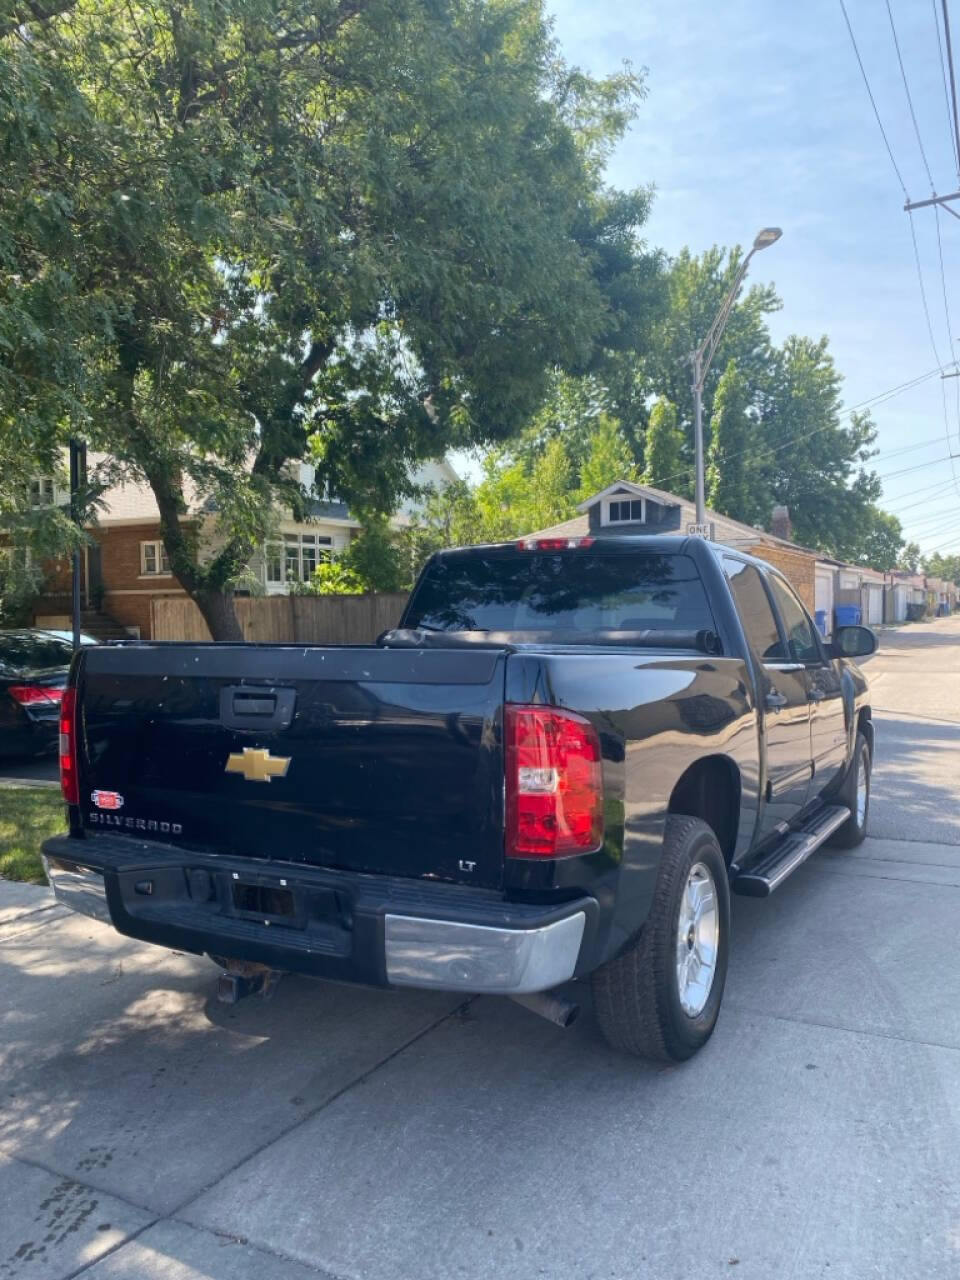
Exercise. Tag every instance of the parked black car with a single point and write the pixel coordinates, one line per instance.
(559, 766)
(33, 676)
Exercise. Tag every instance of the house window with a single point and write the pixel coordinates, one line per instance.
(41, 491)
(625, 510)
(295, 558)
(273, 560)
(154, 561)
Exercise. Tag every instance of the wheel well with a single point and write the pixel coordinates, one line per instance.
(710, 790)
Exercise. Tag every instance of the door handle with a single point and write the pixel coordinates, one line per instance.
(816, 695)
(261, 710)
(775, 701)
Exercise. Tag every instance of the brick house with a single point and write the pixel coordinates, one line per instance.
(124, 568)
(629, 508)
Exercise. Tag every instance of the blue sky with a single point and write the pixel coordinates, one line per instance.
(757, 115)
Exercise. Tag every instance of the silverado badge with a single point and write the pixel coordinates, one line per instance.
(257, 765)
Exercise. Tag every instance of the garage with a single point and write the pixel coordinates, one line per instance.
(823, 594)
(873, 603)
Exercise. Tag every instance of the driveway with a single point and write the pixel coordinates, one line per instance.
(147, 1132)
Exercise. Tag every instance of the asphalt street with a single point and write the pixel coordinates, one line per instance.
(149, 1133)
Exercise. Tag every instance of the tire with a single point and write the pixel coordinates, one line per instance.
(855, 789)
(638, 994)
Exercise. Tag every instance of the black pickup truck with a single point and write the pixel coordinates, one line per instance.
(560, 764)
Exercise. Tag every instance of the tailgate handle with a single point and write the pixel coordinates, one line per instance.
(244, 706)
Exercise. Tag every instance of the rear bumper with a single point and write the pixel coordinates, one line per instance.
(375, 930)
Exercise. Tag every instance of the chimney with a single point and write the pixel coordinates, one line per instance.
(780, 525)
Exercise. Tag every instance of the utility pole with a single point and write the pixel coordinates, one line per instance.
(78, 484)
(701, 359)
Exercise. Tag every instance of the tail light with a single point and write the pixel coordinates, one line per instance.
(554, 792)
(35, 695)
(69, 782)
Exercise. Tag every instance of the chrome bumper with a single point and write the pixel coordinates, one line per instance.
(480, 958)
(407, 950)
(78, 887)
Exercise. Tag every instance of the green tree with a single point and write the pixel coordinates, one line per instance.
(665, 465)
(909, 558)
(941, 566)
(694, 288)
(608, 458)
(879, 539)
(332, 578)
(731, 458)
(235, 230)
(811, 461)
(551, 496)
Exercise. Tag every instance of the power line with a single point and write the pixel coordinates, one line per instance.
(923, 294)
(919, 466)
(871, 402)
(940, 485)
(946, 313)
(946, 93)
(929, 526)
(932, 513)
(953, 80)
(866, 84)
(906, 89)
(896, 169)
(907, 448)
(953, 540)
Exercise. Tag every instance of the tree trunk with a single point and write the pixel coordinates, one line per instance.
(220, 614)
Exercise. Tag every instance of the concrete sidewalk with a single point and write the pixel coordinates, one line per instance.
(149, 1133)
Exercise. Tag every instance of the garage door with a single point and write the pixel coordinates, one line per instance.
(823, 595)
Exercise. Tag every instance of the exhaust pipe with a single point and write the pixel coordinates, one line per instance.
(561, 1012)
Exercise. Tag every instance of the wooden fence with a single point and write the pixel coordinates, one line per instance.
(286, 619)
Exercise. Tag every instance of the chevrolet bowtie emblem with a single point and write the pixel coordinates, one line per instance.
(257, 765)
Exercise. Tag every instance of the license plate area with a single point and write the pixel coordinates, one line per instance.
(267, 901)
(263, 901)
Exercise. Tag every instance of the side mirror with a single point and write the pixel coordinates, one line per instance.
(854, 642)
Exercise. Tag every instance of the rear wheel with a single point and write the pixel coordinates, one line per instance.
(855, 794)
(660, 998)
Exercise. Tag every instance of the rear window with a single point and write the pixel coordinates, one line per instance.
(569, 591)
(24, 652)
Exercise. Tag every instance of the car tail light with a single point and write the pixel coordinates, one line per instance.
(35, 695)
(554, 791)
(553, 544)
(69, 782)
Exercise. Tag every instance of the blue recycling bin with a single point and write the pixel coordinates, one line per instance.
(848, 615)
(821, 617)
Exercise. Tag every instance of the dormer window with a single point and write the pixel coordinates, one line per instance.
(625, 511)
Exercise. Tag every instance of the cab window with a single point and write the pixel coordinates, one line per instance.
(801, 633)
(753, 606)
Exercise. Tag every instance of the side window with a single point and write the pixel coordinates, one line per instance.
(753, 605)
(796, 621)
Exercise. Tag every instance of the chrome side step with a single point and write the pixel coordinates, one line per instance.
(760, 879)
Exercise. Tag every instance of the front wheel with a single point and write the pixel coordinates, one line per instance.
(660, 998)
(855, 794)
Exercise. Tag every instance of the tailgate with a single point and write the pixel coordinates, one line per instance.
(377, 760)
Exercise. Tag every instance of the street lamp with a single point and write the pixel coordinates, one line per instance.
(703, 356)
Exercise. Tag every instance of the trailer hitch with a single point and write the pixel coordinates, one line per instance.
(240, 979)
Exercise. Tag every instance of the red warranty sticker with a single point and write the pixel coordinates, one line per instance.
(107, 799)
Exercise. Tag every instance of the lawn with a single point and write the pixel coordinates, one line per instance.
(27, 816)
